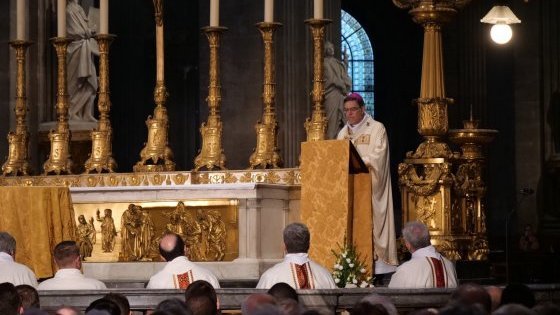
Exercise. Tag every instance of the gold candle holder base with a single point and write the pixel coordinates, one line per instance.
(156, 156)
(211, 154)
(17, 162)
(316, 126)
(266, 153)
(101, 159)
(59, 161)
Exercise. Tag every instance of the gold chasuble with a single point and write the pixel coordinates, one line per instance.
(38, 218)
(336, 200)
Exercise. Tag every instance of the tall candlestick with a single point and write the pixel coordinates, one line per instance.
(104, 17)
(269, 11)
(318, 9)
(20, 21)
(214, 12)
(61, 18)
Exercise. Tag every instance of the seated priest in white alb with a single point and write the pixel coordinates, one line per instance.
(11, 271)
(297, 269)
(427, 268)
(179, 272)
(69, 276)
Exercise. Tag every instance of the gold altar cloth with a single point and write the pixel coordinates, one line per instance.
(336, 200)
(38, 218)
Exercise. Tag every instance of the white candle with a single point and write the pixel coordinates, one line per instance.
(214, 12)
(20, 19)
(61, 18)
(104, 17)
(269, 11)
(318, 9)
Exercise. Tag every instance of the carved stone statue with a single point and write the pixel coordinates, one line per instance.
(108, 231)
(337, 84)
(85, 233)
(82, 77)
(131, 238)
(146, 235)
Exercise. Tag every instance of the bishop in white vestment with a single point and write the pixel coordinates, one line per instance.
(370, 139)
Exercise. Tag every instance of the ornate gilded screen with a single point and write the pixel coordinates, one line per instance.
(130, 231)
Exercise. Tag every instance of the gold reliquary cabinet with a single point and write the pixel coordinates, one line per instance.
(131, 231)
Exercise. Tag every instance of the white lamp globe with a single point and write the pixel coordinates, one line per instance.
(501, 33)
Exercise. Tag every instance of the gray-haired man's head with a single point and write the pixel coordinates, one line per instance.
(296, 238)
(7, 243)
(416, 235)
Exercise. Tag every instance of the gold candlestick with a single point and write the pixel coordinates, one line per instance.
(316, 126)
(211, 154)
(17, 162)
(266, 152)
(156, 156)
(59, 161)
(101, 159)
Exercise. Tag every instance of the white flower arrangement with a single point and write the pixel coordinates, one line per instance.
(349, 271)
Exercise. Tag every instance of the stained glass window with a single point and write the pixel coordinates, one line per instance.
(359, 53)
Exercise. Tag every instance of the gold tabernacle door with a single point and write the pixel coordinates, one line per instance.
(336, 199)
(130, 231)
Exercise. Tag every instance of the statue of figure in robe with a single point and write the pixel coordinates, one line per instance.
(85, 231)
(108, 230)
(131, 228)
(337, 84)
(81, 73)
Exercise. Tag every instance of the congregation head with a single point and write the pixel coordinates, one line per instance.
(103, 306)
(29, 296)
(172, 307)
(518, 293)
(416, 235)
(67, 254)
(7, 243)
(296, 238)
(171, 246)
(385, 302)
(470, 294)
(258, 303)
(67, 310)
(282, 291)
(10, 302)
(201, 298)
(120, 300)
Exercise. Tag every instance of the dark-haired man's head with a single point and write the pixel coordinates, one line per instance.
(471, 293)
(385, 302)
(67, 255)
(103, 306)
(172, 307)
(282, 291)
(121, 301)
(29, 296)
(201, 298)
(514, 309)
(10, 302)
(296, 238)
(367, 308)
(518, 293)
(458, 308)
(171, 246)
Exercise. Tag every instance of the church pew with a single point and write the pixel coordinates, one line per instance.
(230, 298)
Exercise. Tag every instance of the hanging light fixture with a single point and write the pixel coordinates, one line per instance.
(501, 16)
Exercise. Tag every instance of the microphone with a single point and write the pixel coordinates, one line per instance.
(526, 191)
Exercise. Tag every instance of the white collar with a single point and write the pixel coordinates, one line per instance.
(6, 257)
(428, 251)
(68, 272)
(297, 258)
(358, 125)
